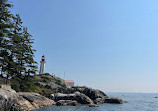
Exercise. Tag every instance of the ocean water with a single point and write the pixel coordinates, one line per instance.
(135, 102)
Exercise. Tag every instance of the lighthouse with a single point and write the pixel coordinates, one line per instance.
(42, 65)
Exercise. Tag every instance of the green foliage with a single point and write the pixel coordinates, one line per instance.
(15, 83)
(6, 60)
(45, 92)
(45, 79)
(16, 50)
(26, 84)
(47, 74)
(58, 82)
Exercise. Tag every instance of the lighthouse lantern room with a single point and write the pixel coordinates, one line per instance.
(42, 65)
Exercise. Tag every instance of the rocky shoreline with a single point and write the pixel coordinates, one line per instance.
(10, 100)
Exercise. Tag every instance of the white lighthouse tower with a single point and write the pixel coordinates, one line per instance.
(42, 66)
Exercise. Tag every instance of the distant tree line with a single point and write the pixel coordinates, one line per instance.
(16, 50)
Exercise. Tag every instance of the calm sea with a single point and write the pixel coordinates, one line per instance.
(135, 102)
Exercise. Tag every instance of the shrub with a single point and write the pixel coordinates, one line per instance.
(26, 84)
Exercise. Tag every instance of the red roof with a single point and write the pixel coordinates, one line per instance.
(69, 81)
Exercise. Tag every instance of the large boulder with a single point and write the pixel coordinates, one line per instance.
(10, 100)
(82, 98)
(93, 93)
(61, 96)
(36, 99)
(114, 100)
(77, 96)
(66, 102)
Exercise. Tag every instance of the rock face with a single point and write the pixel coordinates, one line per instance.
(97, 96)
(77, 96)
(82, 98)
(12, 101)
(54, 83)
(99, 101)
(94, 94)
(66, 102)
(113, 100)
(85, 95)
(36, 99)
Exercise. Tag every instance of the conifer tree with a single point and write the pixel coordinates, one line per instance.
(16, 50)
(31, 64)
(24, 52)
(5, 32)
(18, 45)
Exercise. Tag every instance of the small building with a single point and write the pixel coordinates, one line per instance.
(70, 82)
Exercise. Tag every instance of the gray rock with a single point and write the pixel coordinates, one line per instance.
(99, 101)
(93, 93)
(66, 102)
(10, 100)
(77, 96)
(52, 96)
(114, 100)
(82, 98)
(36, 99)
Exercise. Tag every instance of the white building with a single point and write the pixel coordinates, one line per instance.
(70, 82)
(42, 65)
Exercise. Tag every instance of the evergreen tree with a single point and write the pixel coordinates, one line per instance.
(23, 50)
(31, 64)
(16, 50)
(5, 33)
(18, 45)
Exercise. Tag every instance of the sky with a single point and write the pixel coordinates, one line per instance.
(111, 45)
